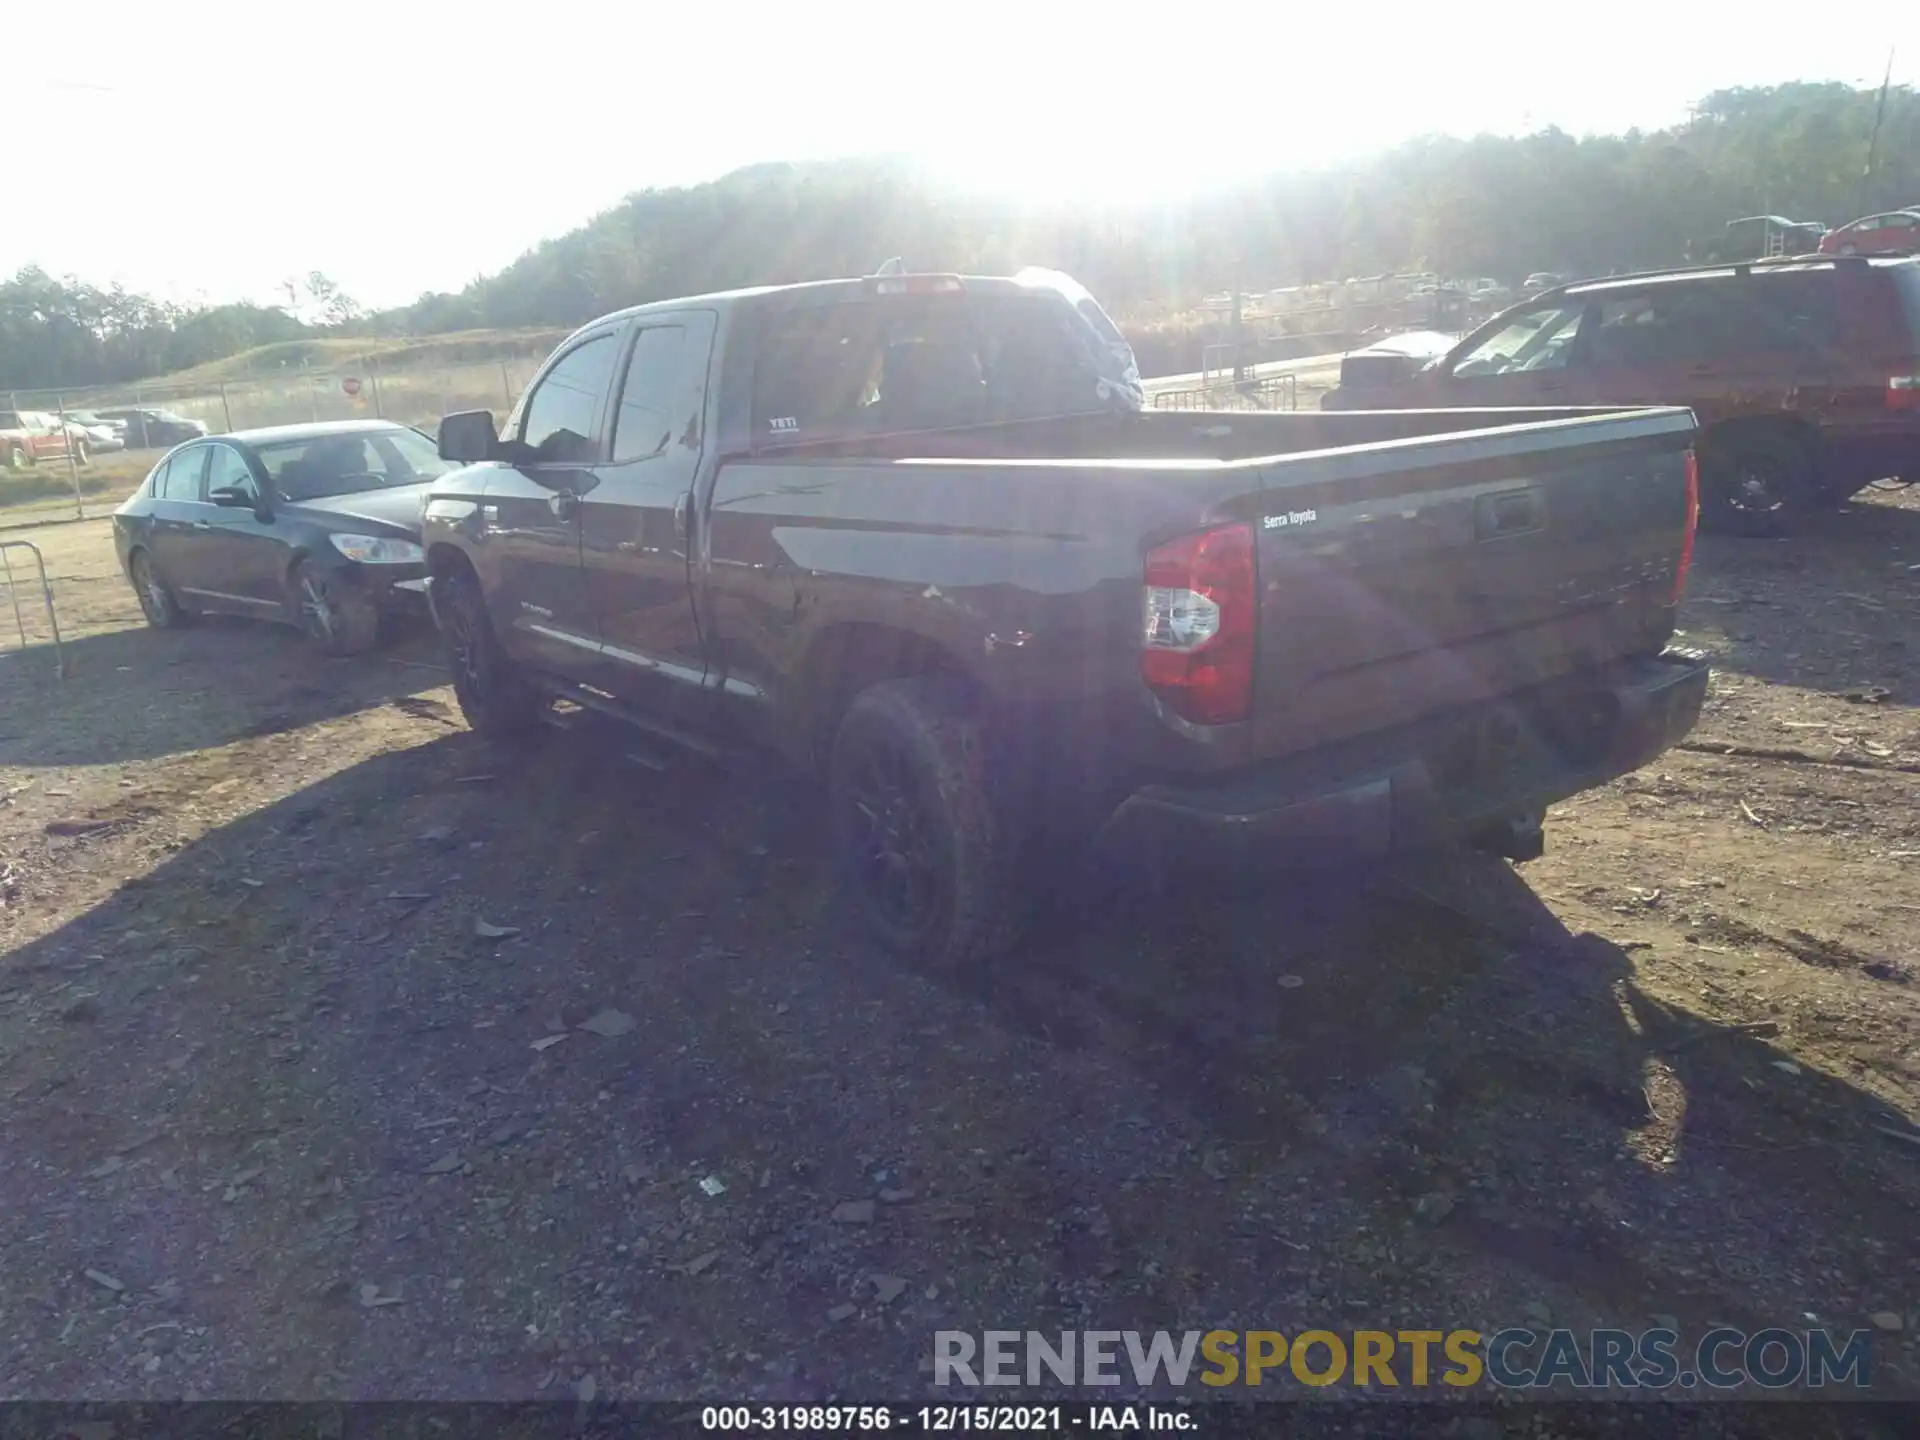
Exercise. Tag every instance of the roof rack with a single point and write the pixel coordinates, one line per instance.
(1738, 267)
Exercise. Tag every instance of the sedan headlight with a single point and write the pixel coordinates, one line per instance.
(377, 550)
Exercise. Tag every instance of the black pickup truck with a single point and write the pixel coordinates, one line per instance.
(917, 534)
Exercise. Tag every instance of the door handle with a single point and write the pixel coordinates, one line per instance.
(203, 524)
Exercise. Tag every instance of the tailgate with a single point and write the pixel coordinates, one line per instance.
(1406, 577)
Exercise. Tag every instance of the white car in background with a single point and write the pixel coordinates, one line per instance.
(101, 437)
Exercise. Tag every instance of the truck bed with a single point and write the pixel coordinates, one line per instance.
(1409, 562)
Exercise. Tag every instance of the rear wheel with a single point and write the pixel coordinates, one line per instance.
(1762, 482)
(495, 696)
(339, 619)
(923, 847)
(157, 600)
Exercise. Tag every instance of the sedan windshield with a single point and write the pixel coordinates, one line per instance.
(315, 467)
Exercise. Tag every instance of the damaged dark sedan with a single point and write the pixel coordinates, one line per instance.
(316, 526)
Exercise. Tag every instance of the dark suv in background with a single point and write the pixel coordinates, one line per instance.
(1804, 374)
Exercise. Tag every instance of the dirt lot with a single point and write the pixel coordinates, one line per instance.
(277, 1121)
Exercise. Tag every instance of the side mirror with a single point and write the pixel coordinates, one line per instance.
(468, 437)
(231, 497)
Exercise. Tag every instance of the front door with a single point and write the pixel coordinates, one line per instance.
(243, 556)
(530, 513)
(1523, 362)
(635, 519)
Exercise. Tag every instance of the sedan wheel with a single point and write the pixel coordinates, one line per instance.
(337, 619)
(163, 612)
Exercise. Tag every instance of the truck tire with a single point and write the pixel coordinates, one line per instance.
(1760, 482)
(923, 846)
(18, 458)
(494, 695)
(341, 621)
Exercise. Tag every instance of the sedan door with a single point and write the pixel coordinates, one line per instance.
(245, 554)
(180, 521)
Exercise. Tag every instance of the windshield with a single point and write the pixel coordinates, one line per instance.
(319, 466)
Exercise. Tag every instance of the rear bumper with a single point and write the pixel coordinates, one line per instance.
(1421, 784)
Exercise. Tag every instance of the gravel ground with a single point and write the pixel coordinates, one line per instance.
(341, 1057)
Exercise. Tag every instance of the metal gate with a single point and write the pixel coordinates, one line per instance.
(12, 583)
(1268, 392)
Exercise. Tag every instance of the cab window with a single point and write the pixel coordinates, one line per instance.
(559, 420)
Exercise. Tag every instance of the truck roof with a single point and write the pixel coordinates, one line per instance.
(805, 292)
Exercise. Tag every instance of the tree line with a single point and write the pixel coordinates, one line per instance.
(1492, 206)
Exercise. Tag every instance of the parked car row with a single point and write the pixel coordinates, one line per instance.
(1803, 373)
(27, 437)
(919, 535)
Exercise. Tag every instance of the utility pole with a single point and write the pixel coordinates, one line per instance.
(1239, 329)
(1873, 141)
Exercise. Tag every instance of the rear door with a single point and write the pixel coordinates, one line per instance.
(634, 519)
(180, 522)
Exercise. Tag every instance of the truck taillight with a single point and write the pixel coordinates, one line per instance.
(1200, 612)
(1903, 392)
(1693, 524)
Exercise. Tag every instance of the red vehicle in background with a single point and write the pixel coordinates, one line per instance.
(29, 436)
(1895, 233)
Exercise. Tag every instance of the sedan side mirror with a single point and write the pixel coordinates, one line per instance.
(232, 497)
(468, 437)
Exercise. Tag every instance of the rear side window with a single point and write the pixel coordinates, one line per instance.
(1906, 283)
(928, 362)
(1784, 311)
(1701, 320)
(184, 471)
(651, 396)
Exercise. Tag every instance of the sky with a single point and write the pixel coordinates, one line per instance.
(214, 149)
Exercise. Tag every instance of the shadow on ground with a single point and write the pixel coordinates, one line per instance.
(139, 694)
(289, 1064)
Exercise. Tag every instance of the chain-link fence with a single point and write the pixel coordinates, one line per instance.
(114, 434)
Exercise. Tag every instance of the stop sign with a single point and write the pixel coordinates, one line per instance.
(351, 385)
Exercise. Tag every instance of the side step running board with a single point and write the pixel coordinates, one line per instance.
(590, 699)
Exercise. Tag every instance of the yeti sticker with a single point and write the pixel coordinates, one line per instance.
(784, 425)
